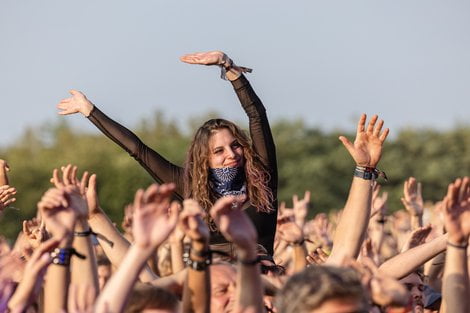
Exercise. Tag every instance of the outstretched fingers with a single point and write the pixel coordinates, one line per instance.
(361, 124)
(384, 134)
(370, 127)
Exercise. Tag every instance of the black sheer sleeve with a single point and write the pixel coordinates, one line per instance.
(156, 165)
(260, 130)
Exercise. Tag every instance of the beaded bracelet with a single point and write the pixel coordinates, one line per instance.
(61, 256)
(198, 265)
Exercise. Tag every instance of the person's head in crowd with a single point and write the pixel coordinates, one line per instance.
(223, 278)
(269, 267)
(104, 270)
(415, 286)
(150, 299)
(217, 144)
(323, 289)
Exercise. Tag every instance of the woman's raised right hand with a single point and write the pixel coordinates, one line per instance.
(78, 102)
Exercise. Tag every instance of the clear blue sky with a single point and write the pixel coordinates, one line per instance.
(322, 61)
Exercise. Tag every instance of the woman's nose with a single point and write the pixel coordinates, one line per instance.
(230, 153)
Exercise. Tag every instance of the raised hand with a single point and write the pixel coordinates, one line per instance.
(31, 284)
(379, 202)
(457, 211)
(233, 223)
(417, 237)
(86, 186)
(78, 102)
(367, 147)
(192, 222)
(289, 231)
(412, 198)
(205, 58)
(301, 208)
(58, 215)
(154, 216)
(383, 289)
(6, 196)
(35, 232)
(317, 257)
(318, 230)
(4, 168)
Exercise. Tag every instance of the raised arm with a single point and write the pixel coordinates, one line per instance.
(111, 240)
(197, 291)
(260, 130)
(156, 165)
(154, 220)
(237, 228)
(60, 217)
(413, 202)
(366, 152)
(455, 288)
(84, 271)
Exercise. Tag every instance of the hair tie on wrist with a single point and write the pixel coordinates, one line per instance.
(85, 233)
(228, 65)
(464, 246)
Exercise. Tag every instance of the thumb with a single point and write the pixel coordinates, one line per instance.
(404, 201)
(347, 144)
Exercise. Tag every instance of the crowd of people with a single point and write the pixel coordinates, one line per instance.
(210, 236)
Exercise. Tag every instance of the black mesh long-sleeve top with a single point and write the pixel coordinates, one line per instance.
(163, 171)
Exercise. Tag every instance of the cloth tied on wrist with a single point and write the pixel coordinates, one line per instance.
(227, 181)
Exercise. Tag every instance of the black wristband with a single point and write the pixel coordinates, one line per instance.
(84, 233)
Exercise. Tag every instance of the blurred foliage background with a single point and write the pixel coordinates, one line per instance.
(308, 159)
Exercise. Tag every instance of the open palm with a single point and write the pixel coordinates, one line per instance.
(205, 58)
(367, 147)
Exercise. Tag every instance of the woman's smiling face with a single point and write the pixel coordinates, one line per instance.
(225, 150)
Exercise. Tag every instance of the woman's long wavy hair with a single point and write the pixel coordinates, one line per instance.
(196, 172)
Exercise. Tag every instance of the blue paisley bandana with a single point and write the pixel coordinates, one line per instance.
(228, 180)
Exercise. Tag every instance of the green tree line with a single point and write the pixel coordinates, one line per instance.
(308, 159)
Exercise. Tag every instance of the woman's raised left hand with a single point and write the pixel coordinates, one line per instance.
(205, 58)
